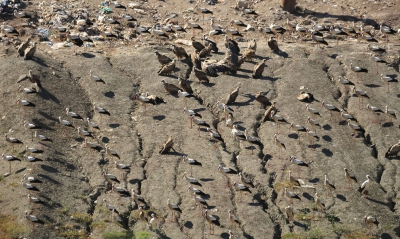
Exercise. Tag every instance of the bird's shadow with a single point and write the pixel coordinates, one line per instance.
(46, 95)
(88, 55)
(242, 76)
(327, 152)
(293, 136)
(314, 180)
(327, 138)
(20, 170)
(48, 178)
(341, 197)
(105, 140)
(372, 85)
(380, 202)
(39, 61)
(188, 225)
(308, 196)
(134, 181)
(109, 94)
(206, 179)
(314, 146)
(282, 54)
(208, 84)
(47, 116)
(114, 126)
(159, 117)
(387, 124)
(39, 123)
(49, 169)
(304, 226)
(327, 127)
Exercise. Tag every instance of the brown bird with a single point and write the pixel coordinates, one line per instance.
(170, 88)
(180, 52)
(30, 51)
(252, 45)
(211, 221)
(200, 75)
(23, 46)
(289, 213)
(185, 85)
(259, 69)
(234, 220)
(329, 184)
(249, 54)
(12, 141)
(350, 177)
(167, 146)
(205, 52)
(232, 96)
(167, 68)
(198, 46)
(268, 111)
(273, 44)
(262, 99)
(393, 150)
(163, 59)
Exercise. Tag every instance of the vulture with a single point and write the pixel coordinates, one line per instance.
(232, 45)
(23, 46)
(200, 75)
(171, 88)
(249, 54)
(195, 59)
(258, 69)
(393, 150)
(252, 45)
(163, 59)
(185, 85)
(197, 45)
(167, 146)
(30, 51)
(273, 44)
(240, 61)
(208, 42)
(262, 99)
(232, 96)
(180, 52)
(267, 113)
(205, 52)
(210, 67)
(167, 69)
(305, 97)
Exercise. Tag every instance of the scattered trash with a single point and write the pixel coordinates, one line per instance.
(44, 33)
(105, 10)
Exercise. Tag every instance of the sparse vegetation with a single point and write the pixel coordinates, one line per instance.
(281, 185)
(117, 235)
(357, 234)
(74, 234)
(98, 225)
(64, 210)
(142, 235)
(10, 228)
(83, 217)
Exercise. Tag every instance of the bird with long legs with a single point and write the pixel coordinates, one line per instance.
(124, 169)
(291, 196)
(345, 82)
(246, 181)
(312, 137)
(110, 152)
(375, 110)
(363, 189)
(25, 104)
(330, 107)
(391, 113)
(318, 202)
(314, 124)
(298, 129)
(173, 208)
(191, 162)
(350, 178)
(31, 127)
(280, 144)
(225, 171)
(110, 178)
(13, 141)
(211, 221)
(358, 70)
(9, 158)
(361, 96)
(289, 213)
(388, 79)
(371, 221)
(329, 185)
(33, 160)
(34, 220)
(199, 122)
(234, 220)
(101, 111)
(377, 60)
(240, 187)
(278, 120)
(139, 199)
(312, 111)
(215, 136)
(110, 208)
(191, 180)
(298, 162)
(36, 201)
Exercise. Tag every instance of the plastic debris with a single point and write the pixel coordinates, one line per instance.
(106, 10)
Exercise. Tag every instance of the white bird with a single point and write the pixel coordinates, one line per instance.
(363, 189)
(184, 94)
(190, 179)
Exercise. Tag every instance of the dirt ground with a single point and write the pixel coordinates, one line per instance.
(73, 187)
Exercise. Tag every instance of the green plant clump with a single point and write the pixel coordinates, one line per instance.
(117, 235)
